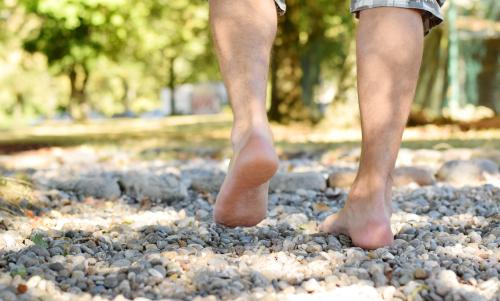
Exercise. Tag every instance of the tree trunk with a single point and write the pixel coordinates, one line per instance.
(82, 93)
(78, 106)
(347, 78)
(311, 71)
(488, 79)
(433, 83)
(286, 92)
(311, 57)
(171, 85)
(453, 99)
(72, 106)
(129, 95)
(20, 105)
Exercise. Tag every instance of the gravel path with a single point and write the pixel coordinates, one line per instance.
(102, 225)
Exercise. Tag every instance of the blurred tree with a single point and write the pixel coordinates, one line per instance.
(21, 75)
(116, 55)
(177, 42)
(110, 55)
(489, 77)
(73, 34)
(460, 63)
(311, 35)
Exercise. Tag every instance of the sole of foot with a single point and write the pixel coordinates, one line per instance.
(368, 226)
(242, 200)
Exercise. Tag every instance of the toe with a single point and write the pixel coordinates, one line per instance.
(331, 225)
(325, 225)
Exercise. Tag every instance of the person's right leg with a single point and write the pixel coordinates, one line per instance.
(389, 52)
(243, 33)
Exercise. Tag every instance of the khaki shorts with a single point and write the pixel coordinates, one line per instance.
(431, 14)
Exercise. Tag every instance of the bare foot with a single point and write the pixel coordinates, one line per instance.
(365, 218)
(242, 200)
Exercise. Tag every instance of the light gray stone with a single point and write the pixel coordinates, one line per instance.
(311, 285)
(143, 185)
(342, 178)
(445, 282)
(91, 185)
(467, 172)
(111, 281)
(203, 180)
(406, 175)
(290, 182)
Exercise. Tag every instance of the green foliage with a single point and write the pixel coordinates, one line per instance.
(39, 241)
(73, 35)
(177, 43)
(21, 271)
(122, 51)
(110, 56)
(76, 32)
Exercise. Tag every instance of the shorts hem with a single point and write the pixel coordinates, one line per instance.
(280, 7)
(430, 17)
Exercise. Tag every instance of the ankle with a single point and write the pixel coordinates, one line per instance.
(373, 178)
(368, 189)
(242, 131)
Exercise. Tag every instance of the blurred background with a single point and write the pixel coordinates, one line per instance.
(102, 61)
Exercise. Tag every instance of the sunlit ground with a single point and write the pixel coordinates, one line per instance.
(122, 209)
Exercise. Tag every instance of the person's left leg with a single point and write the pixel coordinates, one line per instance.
(389, 52)
(243, 33)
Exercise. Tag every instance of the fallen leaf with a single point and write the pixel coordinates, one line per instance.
(388, 274)
(22, 288)
(146, 204)
(320, 207)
